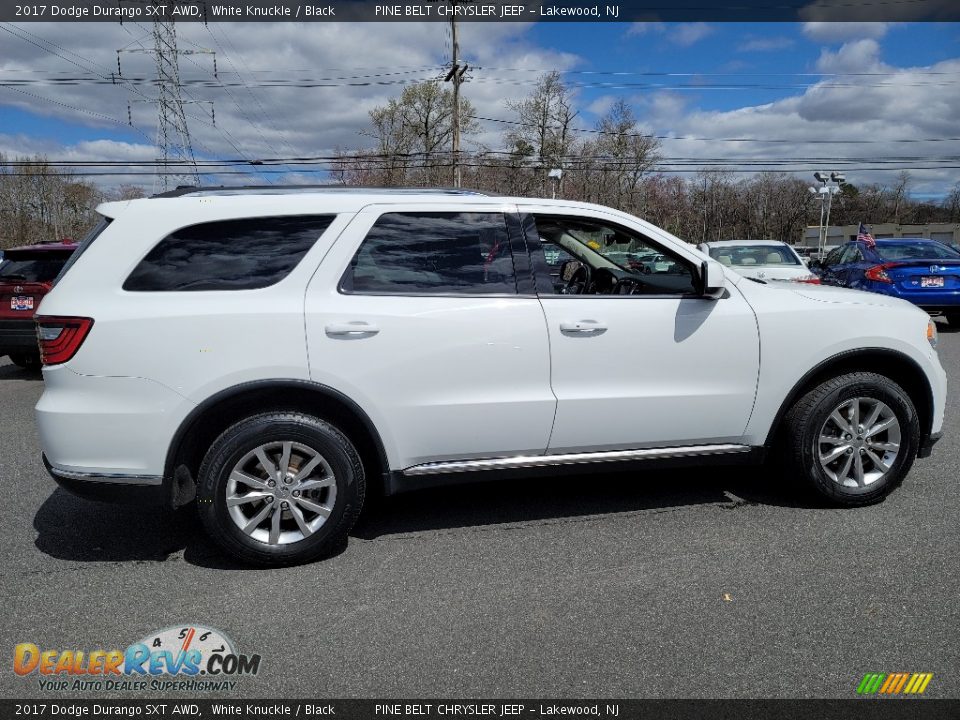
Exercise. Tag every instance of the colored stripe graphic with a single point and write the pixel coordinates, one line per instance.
(918, 683)
(871, 683)
(894, 683)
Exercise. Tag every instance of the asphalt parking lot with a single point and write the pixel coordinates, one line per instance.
(687, 583)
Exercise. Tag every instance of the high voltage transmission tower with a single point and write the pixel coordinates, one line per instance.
(177, 164)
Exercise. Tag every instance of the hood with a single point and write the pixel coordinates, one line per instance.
(830, 294)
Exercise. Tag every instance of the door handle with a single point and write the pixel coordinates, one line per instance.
(351, 329)
(583, 327)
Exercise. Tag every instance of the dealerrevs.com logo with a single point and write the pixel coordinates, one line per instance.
(190, 658)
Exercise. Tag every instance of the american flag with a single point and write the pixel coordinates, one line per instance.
(865, 237)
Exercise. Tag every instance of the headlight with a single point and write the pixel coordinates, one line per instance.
(932, 336)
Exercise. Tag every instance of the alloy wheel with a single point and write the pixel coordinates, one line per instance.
(281, 492)
(859, 442)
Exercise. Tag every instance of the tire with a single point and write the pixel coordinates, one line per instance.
(811, 432)
(28, 361)
(301, 534)
(953, 319)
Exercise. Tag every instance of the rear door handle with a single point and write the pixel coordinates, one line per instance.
(582, 327)
(351, 329)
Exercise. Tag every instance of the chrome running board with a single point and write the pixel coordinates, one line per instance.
(533, 461)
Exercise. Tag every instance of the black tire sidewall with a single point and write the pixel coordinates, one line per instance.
(248, 434)
(896, 399)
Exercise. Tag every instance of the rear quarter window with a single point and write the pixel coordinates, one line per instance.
(242, 254)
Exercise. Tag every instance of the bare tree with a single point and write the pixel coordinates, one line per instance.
(40, 204)
(543, 134)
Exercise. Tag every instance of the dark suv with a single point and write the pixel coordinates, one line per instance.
(26, 275)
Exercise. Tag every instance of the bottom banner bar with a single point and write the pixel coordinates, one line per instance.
(887, 709)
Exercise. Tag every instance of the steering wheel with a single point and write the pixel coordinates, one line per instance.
(578, 282)
(627, 286)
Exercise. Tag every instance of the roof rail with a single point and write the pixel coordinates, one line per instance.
(184, 190)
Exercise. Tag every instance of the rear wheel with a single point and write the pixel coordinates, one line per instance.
(30, 361)
(853, 438)
(280, 489)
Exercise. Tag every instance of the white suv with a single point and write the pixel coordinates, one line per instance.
(277, 353)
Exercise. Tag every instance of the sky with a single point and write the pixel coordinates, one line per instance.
(795, 96)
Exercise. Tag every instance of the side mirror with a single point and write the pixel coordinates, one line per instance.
(568, 269)
(712, 279)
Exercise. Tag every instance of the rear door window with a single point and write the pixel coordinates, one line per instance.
(436, 253)
(242, 254)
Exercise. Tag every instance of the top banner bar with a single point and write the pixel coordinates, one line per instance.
(208, 11)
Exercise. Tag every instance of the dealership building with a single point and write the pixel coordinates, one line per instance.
(837, 235)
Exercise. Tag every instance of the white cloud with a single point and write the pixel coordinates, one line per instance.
(644, 28)
(686, 34)
(601, 105)
(765, 44)
(829, 120)
(682, 34)
(832, 32)
(858, 56)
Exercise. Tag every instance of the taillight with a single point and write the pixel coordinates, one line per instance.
(808, 279)
(60, 337)
(878, 273)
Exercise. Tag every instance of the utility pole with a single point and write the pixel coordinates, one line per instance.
(456, 76)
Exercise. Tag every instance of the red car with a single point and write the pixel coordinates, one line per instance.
(26, 275)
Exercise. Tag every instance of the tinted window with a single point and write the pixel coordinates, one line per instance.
(433, 253)
(916, 251)
(833, 257)
(241, 254)
(851, 255)
(40, 266)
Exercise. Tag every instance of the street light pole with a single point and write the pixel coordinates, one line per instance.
(826, 192)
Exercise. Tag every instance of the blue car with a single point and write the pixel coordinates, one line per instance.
(925, 272)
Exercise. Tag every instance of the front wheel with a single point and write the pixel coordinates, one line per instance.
(280, 489)
(853, 438)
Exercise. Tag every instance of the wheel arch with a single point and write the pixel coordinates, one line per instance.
(215, 414)
(893, 364)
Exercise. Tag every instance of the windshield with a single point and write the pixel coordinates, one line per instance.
(734, 255)
(916, 250)
(38, 267)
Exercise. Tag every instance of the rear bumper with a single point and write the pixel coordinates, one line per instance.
(126, 489)
(107, 428)
(18, 336)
